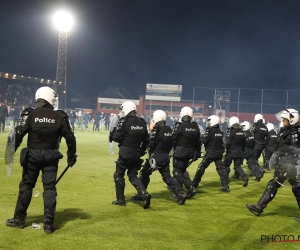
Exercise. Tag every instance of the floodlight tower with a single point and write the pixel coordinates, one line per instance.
(63, 25)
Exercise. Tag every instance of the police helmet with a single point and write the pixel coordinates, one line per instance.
(270, 126)
(258, 117)
(186, 111)
(159, 115)
(213, 120)
(233, 120)
(126, 108)
(48, 95)
(291, 115)
(245, 125)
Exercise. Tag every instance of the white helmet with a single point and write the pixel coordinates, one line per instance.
(186, 111)
(213, 120)
(48, 95)
(270, 126)
(245, 125)
(291, 115)
(233, 120)
(126, 108)
(258, 117)
(159, 115)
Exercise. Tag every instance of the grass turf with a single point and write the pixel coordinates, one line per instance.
(85, 218)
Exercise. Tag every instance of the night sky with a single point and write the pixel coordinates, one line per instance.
(128, 43)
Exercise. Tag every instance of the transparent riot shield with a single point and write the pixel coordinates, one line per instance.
(10, 151)
(285, 166)
(112, 146)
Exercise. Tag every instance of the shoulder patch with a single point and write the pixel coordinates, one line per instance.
(62, 112)
(26, 111)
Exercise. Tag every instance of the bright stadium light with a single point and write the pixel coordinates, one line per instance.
(63, 23)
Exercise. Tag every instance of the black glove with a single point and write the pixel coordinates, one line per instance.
(142, 153)
(72, 160)
(197, 155)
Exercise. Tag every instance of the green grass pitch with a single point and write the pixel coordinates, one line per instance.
(86, 219)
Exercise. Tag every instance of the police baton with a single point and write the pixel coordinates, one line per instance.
(62, 174)
(191, 161)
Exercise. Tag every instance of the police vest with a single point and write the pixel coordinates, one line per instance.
(134, 133)
(188, 135)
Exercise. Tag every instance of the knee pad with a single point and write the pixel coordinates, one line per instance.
(273, 186)
(117, 176)
(23, 187)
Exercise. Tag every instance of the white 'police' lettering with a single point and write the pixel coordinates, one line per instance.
(239, 133)
(44, 120)
(263, 129)
(167, 134)
(218, 134)
(136, 128)
(190, 129)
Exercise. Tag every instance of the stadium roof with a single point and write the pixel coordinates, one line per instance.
(116, 92)
(16, 77)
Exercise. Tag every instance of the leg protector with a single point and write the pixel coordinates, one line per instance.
(199, 173)
(223, 175)
(267, 196)
(23, 201)
(296, 192)
(242, 174)
(120, 187)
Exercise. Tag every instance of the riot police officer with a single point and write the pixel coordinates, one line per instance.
(248, 152)
(132, 135)
(161, 143)
(45, 126)
(214, 148)
(270, 144)
(285, 162)
(187, 146)
(235, 144)
(260, 132)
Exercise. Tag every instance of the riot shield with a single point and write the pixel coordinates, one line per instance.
(10, 151)
(112, 146)
(285, 165)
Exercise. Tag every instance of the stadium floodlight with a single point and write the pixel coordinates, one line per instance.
(63, 23)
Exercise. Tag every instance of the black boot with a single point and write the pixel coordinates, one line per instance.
(245, 181)
(120, 186)
(181, 198)
(48, 226)
(16, 223)
(146, 199)
(266, 197)
(199, 173)
(225, 189)
(191, 192)
(136, 197)
(119, 203)
(261, 174)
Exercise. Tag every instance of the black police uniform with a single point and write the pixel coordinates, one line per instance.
(235, 144)
(133, 138)
(248, 154)
(285, 160)
(271, 143)
(45, 128)
(260, 132)
(214, 148)
(161, 142)
(187, 146)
